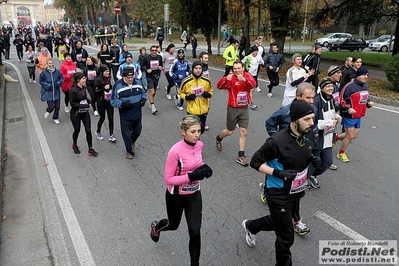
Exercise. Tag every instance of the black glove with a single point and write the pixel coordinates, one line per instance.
(191, 97)
(206, 94)
(200, 173)
(127, 105)
(142, 102)
(286, 175)
(316, 161)
(32, 61)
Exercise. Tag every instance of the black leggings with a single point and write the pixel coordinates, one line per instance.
(192, 206)
(31, 71)
(90, 88)
(227, 70)
(85, 119)
(66, 99)
(102, 107)
(170, 82)
(20, 54)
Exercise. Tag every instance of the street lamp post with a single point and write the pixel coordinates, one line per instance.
(304, 22)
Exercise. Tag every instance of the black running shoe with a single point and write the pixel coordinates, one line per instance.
(154, 235)
(92, 152)
(75, 149)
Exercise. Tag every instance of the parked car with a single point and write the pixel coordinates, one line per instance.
(351, 44)
(368, 42)
(382, 45)
(331, 38)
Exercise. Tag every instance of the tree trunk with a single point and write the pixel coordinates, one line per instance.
(247, 18)
(396, 41)
(279, 22)
(208, 41)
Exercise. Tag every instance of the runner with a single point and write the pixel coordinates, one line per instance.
(184, 169)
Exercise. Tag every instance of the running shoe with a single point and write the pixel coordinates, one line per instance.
(270, 95)
(262, 192)
(333, 167)
(168, 97)
(95, 113)
(343, 157)
(308, 186)
(99, 136)
(56, 121)
(253, 106)
(313, 181)
(218, 145)
(92, 152)
(66, 109)
(249, 237)
(112, 138)
(206, 127)
(180, 108)
(75, 149)
(257, 89)
(46, 114)
(154, 234)
(300, 228)
(30, 80)
(153, 110)
(241, 160)
(34, 81)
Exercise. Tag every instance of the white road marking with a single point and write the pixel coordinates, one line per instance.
(339, 226)
(82, 249)
(385, 109)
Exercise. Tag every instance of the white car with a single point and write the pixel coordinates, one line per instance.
(331, 38)
(382, 45)
(369, 42)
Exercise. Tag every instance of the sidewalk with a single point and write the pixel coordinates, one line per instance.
(23, 232)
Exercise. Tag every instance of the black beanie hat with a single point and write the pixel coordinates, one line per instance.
(196, 63)
(103, 68)
(128, 71)
(78, 76)
(299, 109)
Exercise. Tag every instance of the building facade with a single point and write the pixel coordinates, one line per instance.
(28, 13)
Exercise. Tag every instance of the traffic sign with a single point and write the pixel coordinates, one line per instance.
(100, 19)
(141, 23)
(117, 9)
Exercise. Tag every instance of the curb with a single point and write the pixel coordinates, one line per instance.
(2, 129)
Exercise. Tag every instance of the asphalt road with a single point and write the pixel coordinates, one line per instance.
(97, 211)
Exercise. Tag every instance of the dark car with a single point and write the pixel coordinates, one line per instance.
(351, 44)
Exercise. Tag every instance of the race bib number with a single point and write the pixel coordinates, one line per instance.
(242, 98)
(336, 98)
(191, 186)
(71, 71)
(62, 50)
(84, 109)
(364, 95)
(79, 57)
(329, 130)
(299, 183)
(91, 74)
(171, 59)
(206, 73)
(107, 95)
(198, 90)
(154, 64)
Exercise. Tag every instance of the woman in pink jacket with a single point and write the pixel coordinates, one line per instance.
(67, 68)
(183, 171)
